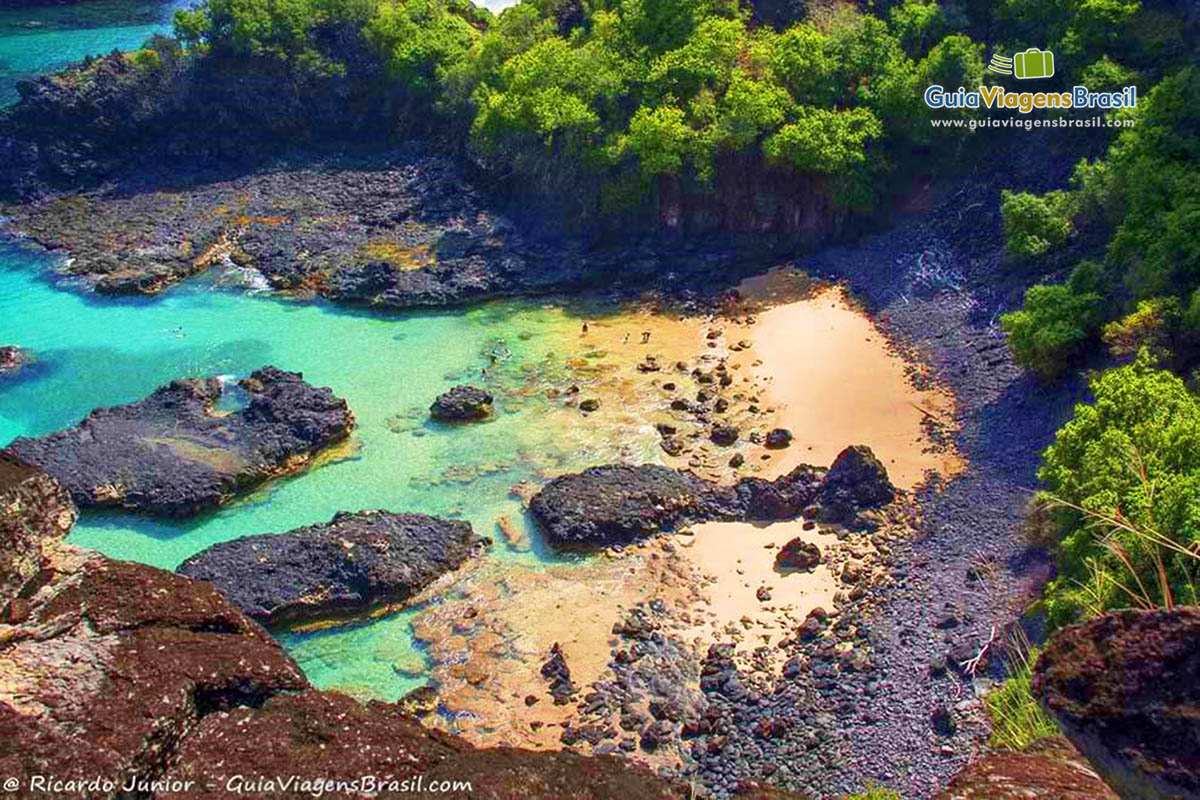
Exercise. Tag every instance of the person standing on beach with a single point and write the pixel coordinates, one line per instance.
(645, 337)
(585, 329)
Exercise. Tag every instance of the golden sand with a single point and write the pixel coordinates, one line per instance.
(833, 380)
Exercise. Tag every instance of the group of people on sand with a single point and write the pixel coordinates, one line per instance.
(645, 335)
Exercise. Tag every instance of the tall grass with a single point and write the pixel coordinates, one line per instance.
(1017, 719)
(873, 791)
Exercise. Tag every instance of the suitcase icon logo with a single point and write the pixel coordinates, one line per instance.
(1033, 63)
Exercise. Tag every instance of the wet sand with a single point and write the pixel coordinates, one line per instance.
(832, 379)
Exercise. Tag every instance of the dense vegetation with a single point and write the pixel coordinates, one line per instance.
(609, 94)
(1122, 504)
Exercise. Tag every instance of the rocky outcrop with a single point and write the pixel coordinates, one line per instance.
(12, 359)
(33, 508)
(1125, 688)
(355, 561)
(105, 666)
(615, 504)
(462, 404)
(318, 735)
(172, 454)
(856, 481)
(148, 683)
(1049, 769)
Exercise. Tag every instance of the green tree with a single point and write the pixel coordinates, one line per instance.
(1131, 457)
(1035, 225)
(1056, 321)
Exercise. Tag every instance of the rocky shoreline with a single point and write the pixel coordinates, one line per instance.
(173, 454)
(391, 231)
(181, 695)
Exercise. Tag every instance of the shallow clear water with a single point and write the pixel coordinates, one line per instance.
(101, 351)
(40, 39)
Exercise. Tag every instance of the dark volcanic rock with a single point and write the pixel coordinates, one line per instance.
(778, 439)
(797, 554)
(12, 359)
(615, 503)
(1126, 690)
(349, 564)
(857, 480)
(1049, 769)
(558, 673)
(724, 435)
(133, 674)
(783, 498)
(462, 404)
(171, 454)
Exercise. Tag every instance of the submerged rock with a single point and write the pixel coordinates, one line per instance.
(173, 454)
(132, 674)
(1125, 688)
(462, 404)
(349, 564)
(1049, 769)
(12, 359)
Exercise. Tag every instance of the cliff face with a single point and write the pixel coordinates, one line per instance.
(1126, 690)
(129, 674)
(113, 118)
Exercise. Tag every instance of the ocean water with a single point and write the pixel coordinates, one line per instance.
(95, 352)
(38, 39)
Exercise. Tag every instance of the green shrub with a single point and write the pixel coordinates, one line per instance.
(1035, 225)
(1056, 321)
(1125, 471)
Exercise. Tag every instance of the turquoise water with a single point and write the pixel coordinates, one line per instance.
(42, 39)
(101, 351)
(94, 352)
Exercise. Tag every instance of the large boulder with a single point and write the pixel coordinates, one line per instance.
(1126, 690)
(615, 504)
(353, 562)
(462, 404)
(173, 454)
(856, 481)
(1050, 769)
